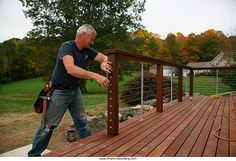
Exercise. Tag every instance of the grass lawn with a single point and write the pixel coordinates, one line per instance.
(206, 85)
(19, 97)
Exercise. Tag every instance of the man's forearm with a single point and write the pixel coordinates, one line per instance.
(101, 58)
(82, 73)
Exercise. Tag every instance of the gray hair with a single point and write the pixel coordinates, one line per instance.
(88, 29)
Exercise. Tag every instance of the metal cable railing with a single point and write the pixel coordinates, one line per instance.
(138, 88)
(142, 87)
(215, 82)
(144, 84)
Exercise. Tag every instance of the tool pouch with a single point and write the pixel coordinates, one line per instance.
(43, 98)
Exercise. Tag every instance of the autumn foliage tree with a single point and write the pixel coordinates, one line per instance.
(210, 44)
(18, 60)
(184, 49)
(143, 42)
(191, 46)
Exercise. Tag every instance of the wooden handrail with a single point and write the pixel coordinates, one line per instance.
(137, 57)
(146, 59)
(213, 68)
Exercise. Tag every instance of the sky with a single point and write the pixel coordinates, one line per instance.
(160, 17)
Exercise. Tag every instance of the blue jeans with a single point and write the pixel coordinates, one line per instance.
(60, 101)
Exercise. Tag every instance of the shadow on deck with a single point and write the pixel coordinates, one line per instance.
(183, 129)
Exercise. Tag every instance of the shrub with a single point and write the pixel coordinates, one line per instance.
(132, 91)
(229, 78)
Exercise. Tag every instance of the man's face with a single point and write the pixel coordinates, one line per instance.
(88, 40)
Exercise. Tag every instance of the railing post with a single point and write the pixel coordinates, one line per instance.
(159, 88)
(186, 83)
(141, 110)
(217, 81)
(113, 97)
(180, 84)
(191, 83)
(171, 86)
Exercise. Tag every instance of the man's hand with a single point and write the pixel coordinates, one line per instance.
(106, 67)
(103, 81)
(105, 64)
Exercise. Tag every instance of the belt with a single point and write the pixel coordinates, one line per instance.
(63, 87)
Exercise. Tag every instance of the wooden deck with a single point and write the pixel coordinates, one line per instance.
(184, 129)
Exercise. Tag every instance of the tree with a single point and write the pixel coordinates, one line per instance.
(111, 18)
(7, 53)
(192, 47)
(18, 60)
(230, 48)
(173, 47)
(162, 52)
(210, 44)
(183, 53)
(143, 42)
(59, 19)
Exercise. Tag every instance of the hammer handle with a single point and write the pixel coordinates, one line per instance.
(43, 113)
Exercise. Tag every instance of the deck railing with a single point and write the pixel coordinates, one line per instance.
(214, 80)
(185, 85)
(116, 56)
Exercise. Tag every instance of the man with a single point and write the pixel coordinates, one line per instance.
(71, 64)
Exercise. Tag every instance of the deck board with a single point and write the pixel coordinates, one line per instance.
(159, 150)
(146, 139)
(232, 134)
(191, 131)
(223, 145)
(201, 131)
(160, 122)
(212, 141)
(156, 130)
(184, 129)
